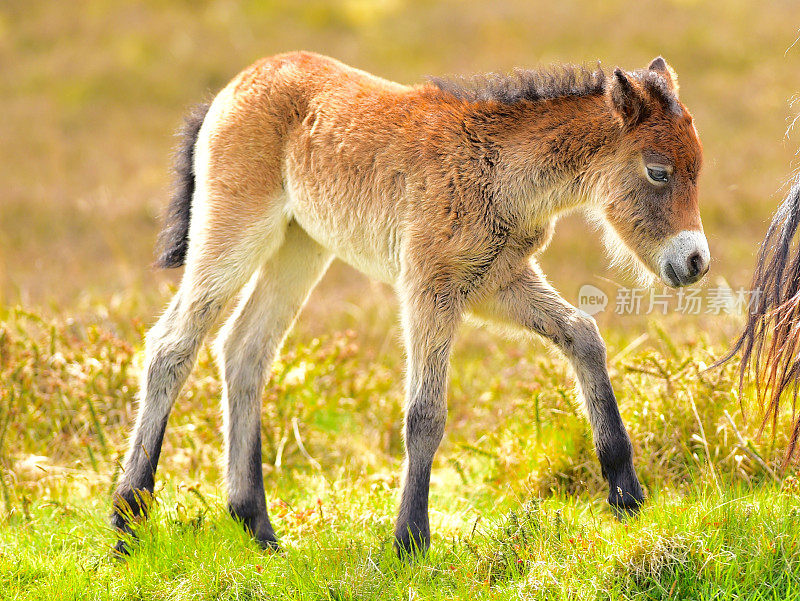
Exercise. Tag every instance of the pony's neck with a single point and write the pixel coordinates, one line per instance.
(547, 152)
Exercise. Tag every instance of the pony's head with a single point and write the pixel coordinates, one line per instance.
(648, 183)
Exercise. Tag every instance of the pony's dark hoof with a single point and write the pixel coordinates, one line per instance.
(626, 505)
(269, 542)
(121, 549)
(122, 526)
(625, 512)
(257, 525)
(408, 546)
(625, 494)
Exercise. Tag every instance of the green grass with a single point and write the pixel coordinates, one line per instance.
(517, 505)
(91, 96)
(337, 545)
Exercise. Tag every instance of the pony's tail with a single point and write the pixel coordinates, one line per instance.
(770, 341)
(173, 240)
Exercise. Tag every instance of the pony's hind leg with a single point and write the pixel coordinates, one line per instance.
(171, 350)
(246, 348)
(223, 254)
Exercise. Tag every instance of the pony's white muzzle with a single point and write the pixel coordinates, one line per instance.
(684, 258)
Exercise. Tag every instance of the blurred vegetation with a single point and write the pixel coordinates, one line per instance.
(514, 424)
(91, 94)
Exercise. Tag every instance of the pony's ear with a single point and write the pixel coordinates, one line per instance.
(660, 66)
(627, 98)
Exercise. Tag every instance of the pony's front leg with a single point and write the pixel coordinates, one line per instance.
(531, 303)
(429, 324)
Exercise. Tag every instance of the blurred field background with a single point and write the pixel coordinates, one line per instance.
(92, 93)
(90, 96)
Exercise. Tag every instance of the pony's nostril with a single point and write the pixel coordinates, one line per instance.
(695, 264)
(672, 275)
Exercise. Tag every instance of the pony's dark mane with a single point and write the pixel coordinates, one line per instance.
(525, 84)
(557, 81)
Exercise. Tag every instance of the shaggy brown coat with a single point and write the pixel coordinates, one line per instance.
(446, 190)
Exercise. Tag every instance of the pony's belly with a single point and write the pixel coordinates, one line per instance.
(369, 243)
(368, 265)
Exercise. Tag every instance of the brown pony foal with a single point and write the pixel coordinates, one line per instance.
(446, 190)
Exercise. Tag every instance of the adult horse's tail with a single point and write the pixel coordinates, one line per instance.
(770, 342)
(174, 238)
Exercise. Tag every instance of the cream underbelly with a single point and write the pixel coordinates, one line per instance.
(372, 246)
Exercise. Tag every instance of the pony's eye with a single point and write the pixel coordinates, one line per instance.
(658, 174)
